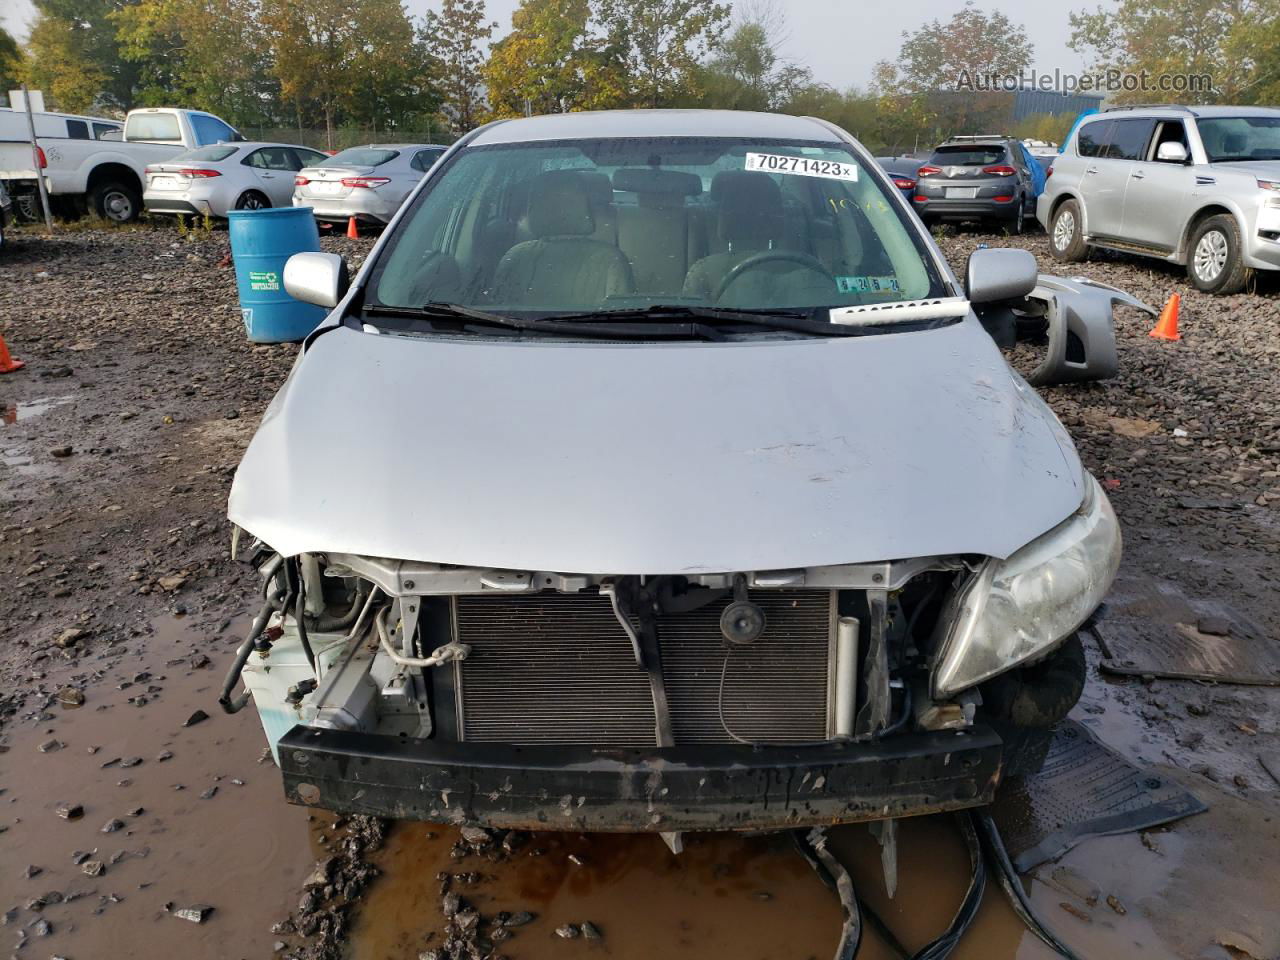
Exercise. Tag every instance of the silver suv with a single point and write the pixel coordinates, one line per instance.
(1198, 186)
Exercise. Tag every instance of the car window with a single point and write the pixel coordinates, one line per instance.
(1229, 139)
(1093, 138)
(968, 155)
(596, 225)
(1168, 131)
(210, 129)
(77, 130)
(308, 158)
(153, 126)
(423, 159)
(271, 158)
(363, 157)
(1128, 139)
(213, 154)
(101, 130)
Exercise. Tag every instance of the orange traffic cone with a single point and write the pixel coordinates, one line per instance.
(352, 232)
(7, 363)
(1166, 327)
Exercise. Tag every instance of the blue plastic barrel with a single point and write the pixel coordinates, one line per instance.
(261, 242)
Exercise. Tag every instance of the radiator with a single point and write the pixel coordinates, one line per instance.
(558, 668)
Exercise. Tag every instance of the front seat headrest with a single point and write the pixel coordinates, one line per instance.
(750, 209)
(559, 206)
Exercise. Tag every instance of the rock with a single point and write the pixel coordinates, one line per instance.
(71, 697)
(61, 452)
(131, 762)
(1197, 709)
(1076, 912)
(210, 793)
(196, 913)
(519, 919)
(1133, 428)
(32, 871)
(163, 755)
(1114, 903)
(49, 746)
(476, 836)
(569, 931)
(69, 636)
(1214, 626)
(591, 931)
(94, 868)
(450, 904)
(42, 927)
(70, 811)
(198, 717)
(111, 826)
(467, 921)
(172, 582)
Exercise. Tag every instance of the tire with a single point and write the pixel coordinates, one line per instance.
(115, 201)
(1066, 239)
(252, 200)
(1020, 218)
(1040, 695)
(1214, 263)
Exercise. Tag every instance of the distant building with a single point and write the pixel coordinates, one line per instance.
(1029, 103)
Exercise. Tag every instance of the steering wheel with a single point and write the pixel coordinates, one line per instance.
(770, 256)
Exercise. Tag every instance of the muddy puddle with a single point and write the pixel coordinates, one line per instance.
(11, 413)
(197, 820)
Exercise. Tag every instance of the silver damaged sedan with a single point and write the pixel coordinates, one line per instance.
(368, 183)
(215, 179)
(656, 462)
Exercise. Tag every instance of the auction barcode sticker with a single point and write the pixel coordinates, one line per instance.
(801, 166)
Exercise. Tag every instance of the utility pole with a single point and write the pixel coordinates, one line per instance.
(35, 160)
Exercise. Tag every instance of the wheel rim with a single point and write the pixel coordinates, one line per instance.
(1064, 229)
(1211, 255)
(117, 205)
(1021, 216)
(252, 202)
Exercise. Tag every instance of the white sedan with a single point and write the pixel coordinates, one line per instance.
(226, 176)
(368, 183)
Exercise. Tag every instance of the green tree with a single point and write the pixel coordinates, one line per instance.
(455, 37)
(73, 56)
(746, 71)
(545, 62)
(11, 63)
(937, 55)
(1221, 39)
(207, 54)
(660, 45)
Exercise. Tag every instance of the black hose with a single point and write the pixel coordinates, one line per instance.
(941, 947)
(325, 624)
(300, 617)
(242, 657)
(269, 574)
(813, 847)
(902, 720)
(1013, 886)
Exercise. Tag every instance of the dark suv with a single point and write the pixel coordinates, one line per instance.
(986, 178)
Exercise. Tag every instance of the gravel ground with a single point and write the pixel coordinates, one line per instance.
(140, 391)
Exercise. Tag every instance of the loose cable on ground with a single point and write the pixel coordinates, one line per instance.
(813, 847)
(1012, 885)
(941, 947)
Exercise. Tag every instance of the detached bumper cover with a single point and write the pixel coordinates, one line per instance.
(659, 789)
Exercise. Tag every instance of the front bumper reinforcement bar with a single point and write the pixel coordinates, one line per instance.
(655, 789)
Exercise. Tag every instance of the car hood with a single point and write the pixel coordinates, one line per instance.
(607, 457)
(1266, 169)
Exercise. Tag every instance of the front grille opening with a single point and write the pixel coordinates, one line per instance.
(558, 668)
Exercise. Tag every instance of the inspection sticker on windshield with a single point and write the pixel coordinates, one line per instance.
(801, 166)
(867, 284)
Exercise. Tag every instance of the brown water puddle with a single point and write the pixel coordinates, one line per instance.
(242, 850)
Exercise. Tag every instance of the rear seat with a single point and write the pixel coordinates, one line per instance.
(658, 235)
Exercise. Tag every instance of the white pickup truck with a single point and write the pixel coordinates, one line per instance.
(103, 174)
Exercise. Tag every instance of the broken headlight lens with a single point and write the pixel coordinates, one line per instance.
(1018, 609)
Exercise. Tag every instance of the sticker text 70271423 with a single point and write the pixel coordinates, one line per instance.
(801, 166)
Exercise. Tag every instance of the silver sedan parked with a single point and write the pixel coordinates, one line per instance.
(368, 183)
(226, 176)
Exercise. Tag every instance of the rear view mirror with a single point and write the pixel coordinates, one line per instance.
(1171, 152)
(318, 278)
(994, 275)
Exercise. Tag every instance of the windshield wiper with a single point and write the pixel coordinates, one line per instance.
(792, 321)
(466, 316)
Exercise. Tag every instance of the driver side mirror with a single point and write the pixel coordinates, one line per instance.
(1171, 152)
(318, 278)
(991, 275)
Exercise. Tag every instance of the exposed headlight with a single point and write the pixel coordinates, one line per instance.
(1018, 609)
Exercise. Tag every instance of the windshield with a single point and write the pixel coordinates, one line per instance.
(362, 157)
(968, 156)
(207, 154)
(589, 226)
(1241, 138)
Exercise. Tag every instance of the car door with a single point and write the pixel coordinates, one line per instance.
(1106, 176)
(1155, 200)
(273, 168)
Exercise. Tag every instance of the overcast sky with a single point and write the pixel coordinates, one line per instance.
(839, 41)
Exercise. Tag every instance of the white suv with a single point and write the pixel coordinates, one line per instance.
(1199, 186)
